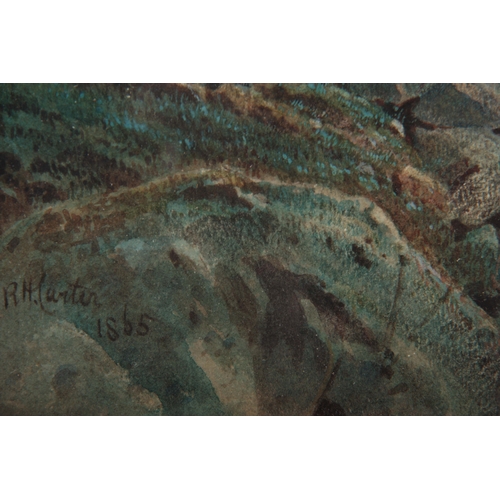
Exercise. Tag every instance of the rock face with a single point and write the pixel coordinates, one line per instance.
(51, 368)
(285, 250)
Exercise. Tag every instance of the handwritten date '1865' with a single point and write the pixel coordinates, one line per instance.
(125, 326)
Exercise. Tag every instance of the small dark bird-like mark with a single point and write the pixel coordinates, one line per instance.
(404, 113)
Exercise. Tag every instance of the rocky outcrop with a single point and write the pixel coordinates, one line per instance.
(222, 294)
(291, 252)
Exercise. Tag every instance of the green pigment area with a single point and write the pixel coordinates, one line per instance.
(246, 250)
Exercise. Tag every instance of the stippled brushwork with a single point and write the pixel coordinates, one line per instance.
(250, 249)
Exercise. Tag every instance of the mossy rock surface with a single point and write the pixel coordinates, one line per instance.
(262, 250)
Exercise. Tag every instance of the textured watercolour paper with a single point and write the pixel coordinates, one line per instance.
(249, 249)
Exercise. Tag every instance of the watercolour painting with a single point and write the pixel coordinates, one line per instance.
(249, 249)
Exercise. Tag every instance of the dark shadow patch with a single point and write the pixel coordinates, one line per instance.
(494, 220)
(360, 256)
(487, 300)
(386, 371)
(215, 193)
(285, 335)
(181, 261)
(40, 166)
(285, 316)
(193, 317)
(329, 243)
(174, 258)
(13, 243)
(397, 185)
(16, 102)
(49, 118)
(240, 302)
(64, 381)
(119, 177)
(459, 230)
(222, 99)
(290, 352)
(334, 312)
(324, 301)
(9, 163)
(267, 116)
(41, 191)
(328, 408)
